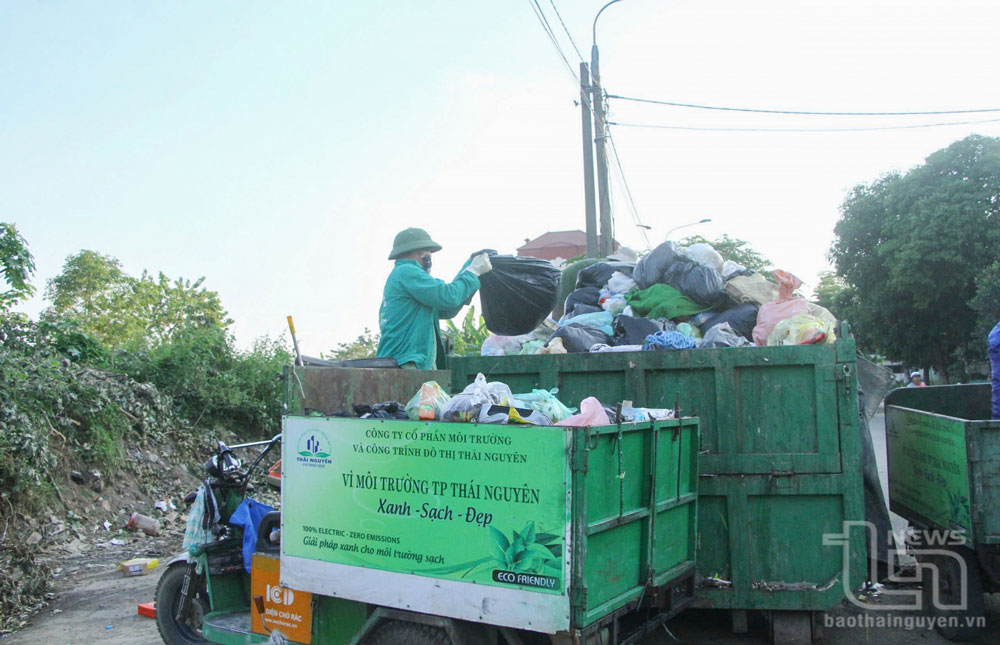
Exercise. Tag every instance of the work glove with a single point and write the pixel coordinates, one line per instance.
(480, 264)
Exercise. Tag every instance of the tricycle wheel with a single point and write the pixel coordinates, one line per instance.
(954, 624)
(168, 600)
(791, 627)
(395, 632)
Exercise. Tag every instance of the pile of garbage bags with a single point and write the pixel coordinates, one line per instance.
(493, 402)
(674, 298)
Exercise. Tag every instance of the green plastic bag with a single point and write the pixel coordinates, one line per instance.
(663, 301)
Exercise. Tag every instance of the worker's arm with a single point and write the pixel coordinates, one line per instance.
(438, 294)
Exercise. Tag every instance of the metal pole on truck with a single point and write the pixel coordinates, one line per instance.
(590, 201)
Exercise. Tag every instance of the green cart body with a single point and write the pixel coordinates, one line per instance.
(780, 458)
(944, 465)
(475, 527)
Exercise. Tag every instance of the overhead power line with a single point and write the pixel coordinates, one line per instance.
(628, 191)
(535, 7)
(869, 129)
(798, 112)
(568, 35)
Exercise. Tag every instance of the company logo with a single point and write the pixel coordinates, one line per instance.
(280, 595)
(313, 449)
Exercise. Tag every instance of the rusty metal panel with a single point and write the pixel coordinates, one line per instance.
(329, 390)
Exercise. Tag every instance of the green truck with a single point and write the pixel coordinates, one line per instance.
(944, 478)
(398, 531)
(780, 472)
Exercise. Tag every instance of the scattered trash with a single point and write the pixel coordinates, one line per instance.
(144, 523)
(138, 566)
(107, 525)
(34, 539)
(148, 609)
(428, 402)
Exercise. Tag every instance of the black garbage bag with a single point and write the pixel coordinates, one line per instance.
(579, 338)
(630, 330)
(742, 318)
(597, 275)
(518, 293)
(700, 283)
(386, 410)
(654, 264)
(579, 309)
(589, 296)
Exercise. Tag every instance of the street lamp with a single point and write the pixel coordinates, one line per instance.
(701, 221)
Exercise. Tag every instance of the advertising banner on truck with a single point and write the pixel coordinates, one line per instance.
(483, 504)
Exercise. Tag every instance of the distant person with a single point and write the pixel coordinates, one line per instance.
(916, 380)
(413, 302)
(993, 349)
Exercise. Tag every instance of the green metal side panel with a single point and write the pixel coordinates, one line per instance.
(944, 459)
(336, 621)
(329, 390)
(780, 455)
(635, 513)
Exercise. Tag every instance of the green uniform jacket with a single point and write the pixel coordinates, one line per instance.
(412, 304)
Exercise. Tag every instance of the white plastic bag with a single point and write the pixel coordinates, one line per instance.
(620, 283)
(545, 401)
(466, 406)
(497, 345)
(705, 254)
(591, 414)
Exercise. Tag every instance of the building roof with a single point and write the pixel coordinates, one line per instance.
(555, 238)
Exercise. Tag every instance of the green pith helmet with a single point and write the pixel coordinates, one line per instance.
(412, 239)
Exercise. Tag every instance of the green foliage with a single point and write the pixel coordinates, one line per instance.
(16, 267)
(916, 251)
(364, 346)
(737, 250)
(121, 311)
(828, 290)
(467, 340)
(214, 383)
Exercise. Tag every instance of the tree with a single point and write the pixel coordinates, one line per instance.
(737, 250)
(364, 346)
(119, 310)
(914, 250)
(16, 267)
(466, 340)
(828, 290)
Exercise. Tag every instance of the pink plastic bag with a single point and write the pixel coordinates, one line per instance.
(591, 414)
(771, 313)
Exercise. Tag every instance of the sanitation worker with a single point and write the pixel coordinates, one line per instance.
(916, 380)
(413, 302)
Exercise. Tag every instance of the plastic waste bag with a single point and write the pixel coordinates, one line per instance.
(705, 254)
(633, 331)
(385, 410)
(620, 283)
(606, 349)
(497, 345)
(823, 314)
(589, 296)
(599, 320)
(466, 406)
(663, 301)
(553, 346)
(723, 335)
(993, 351)
(614, 304)
(531, 347)
(577, 339)
(545, 401)
(801, 329)
(751, 289)
(518, 293)
(428, 402)
(689, 330)
(742, 319)
(592, 413)
(700, 283)
(651, 267)
(668, 340)
(771, 313)
(503, 414)
(732, 269)
(597, 275)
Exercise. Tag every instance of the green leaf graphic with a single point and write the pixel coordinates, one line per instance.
(529, 533)
(543, 552)
(547, 538)
(323, 455)
(499, 546)
(305, 453)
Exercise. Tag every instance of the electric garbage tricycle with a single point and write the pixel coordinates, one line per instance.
(944, 478)
(395, 531)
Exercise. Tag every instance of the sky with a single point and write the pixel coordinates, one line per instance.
(277, 148)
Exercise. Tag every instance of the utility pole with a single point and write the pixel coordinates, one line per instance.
(590, 201)
(601, 128)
